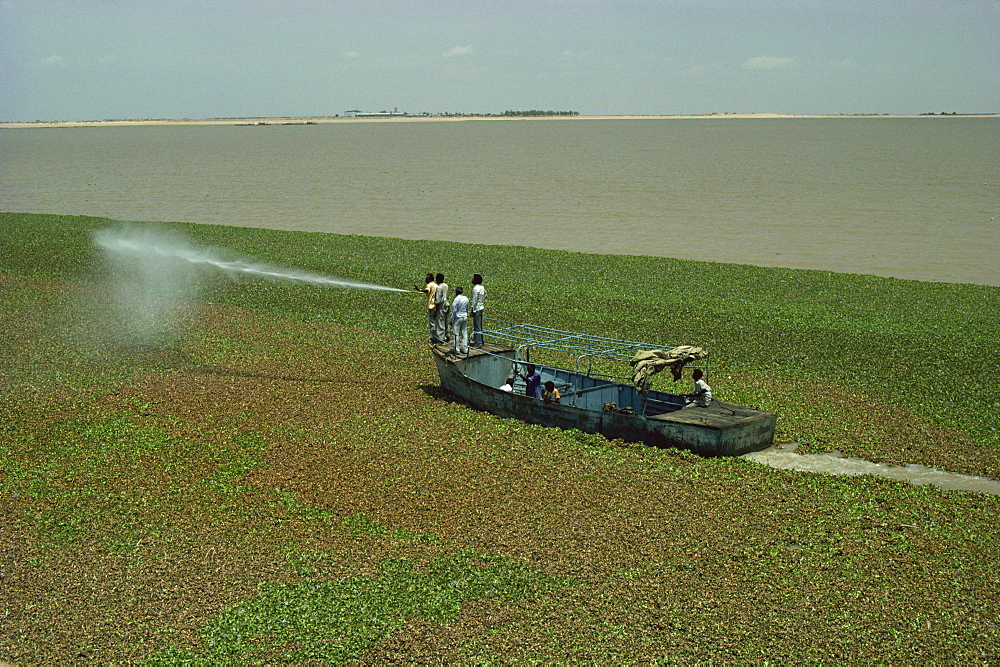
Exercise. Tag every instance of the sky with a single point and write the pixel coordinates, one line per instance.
(117, 59)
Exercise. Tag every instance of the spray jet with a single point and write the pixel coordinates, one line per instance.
(156, 273)
(161, 247)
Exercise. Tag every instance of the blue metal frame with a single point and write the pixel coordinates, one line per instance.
(524, 337)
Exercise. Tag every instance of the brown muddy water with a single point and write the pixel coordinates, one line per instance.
(905, 197)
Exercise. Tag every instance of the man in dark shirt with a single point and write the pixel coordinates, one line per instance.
(532, 382)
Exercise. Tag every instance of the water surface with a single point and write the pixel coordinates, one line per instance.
(906, 197)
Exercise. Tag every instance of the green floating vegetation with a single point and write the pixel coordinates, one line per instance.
(362, 524)
(301, 511)
(288, 434)
(87, 475)
(338, 621)
(356, 524)
(243, 459)
(84, 446)
(928, 347)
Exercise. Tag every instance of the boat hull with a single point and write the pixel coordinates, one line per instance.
(723, 429)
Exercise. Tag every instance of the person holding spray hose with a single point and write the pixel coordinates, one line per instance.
(430, 289)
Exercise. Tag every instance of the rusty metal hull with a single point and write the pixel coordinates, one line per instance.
(723, 429)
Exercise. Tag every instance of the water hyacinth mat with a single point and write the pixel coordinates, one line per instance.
(265, 470)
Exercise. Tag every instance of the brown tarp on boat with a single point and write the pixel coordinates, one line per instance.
(647, 363)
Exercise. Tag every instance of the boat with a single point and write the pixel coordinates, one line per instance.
(592, 399)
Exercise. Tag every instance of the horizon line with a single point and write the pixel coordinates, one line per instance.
(299, 120)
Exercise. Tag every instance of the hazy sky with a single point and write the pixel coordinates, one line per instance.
(100, 59)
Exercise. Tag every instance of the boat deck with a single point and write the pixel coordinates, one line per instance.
(717, 415)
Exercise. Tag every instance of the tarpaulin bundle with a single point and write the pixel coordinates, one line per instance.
(647, 363)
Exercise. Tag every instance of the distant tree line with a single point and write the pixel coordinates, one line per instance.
(538, 112)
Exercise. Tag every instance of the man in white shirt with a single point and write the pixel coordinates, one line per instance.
(477, 305)
(441, 300)
(460, 321)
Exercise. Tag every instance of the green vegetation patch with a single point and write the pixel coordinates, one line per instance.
(289, 443)
(116, 479)
(338, 621)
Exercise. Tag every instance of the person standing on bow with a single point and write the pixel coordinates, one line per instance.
(443, 308)
(430, 289)
(477, 305)
(460, 322)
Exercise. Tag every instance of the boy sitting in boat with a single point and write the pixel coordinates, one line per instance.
(551, 394)
(701, 397)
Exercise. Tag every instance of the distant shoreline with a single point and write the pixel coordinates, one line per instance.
(315, 120)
